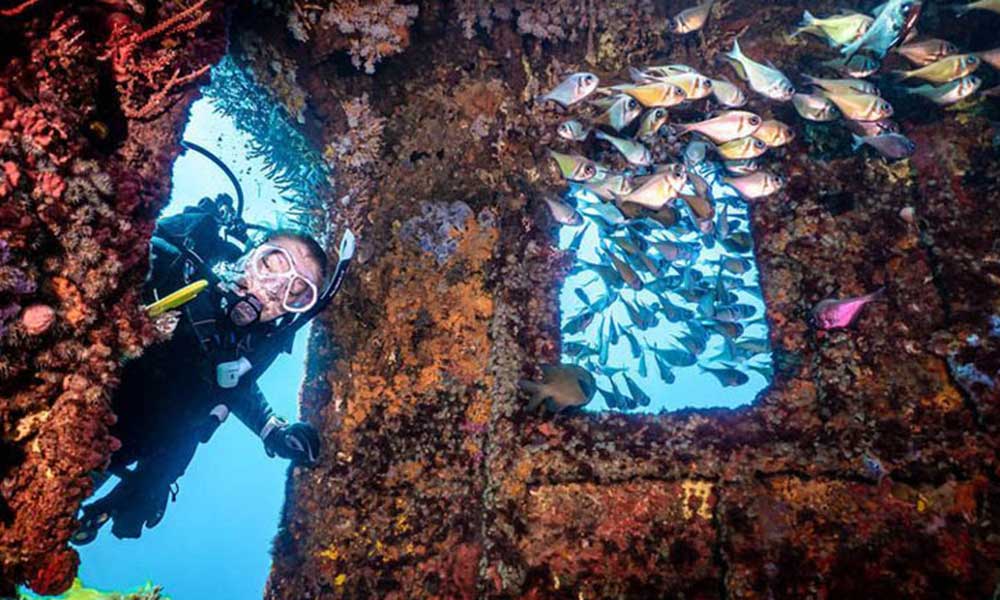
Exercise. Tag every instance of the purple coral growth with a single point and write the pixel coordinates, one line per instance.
(436, 228)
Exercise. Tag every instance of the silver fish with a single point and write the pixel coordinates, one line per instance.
(888, 30)
(634, 152)
(563, 213)
(948, 93)
(573, 130)
(574, 88)
(763, 79)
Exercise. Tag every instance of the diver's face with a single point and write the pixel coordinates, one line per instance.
(281, 276)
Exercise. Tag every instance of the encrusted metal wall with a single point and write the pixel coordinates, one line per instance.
(868, 469)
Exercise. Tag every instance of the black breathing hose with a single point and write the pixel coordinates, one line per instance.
(225, 169)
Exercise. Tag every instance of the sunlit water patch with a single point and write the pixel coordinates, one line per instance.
(693, 334)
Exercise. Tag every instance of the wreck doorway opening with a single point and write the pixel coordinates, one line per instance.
(217, 533)
(663, 313)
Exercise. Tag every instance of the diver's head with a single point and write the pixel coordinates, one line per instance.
(281, 275)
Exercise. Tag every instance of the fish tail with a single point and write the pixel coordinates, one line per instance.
(858, 141)
(602, 136)
(877, 295)
(637, 75)
(960, 9)
(735, 53)
(808, 22)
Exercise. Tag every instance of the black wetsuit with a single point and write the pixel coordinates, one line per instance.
(165, 400)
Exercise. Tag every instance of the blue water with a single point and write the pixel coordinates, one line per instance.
(214, 541)
(691, 387)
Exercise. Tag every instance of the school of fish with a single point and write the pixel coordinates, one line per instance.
(660, 171)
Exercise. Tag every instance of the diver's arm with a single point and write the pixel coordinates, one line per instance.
(297, 442)
(252, 409)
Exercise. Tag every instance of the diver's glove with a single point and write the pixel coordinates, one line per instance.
(297, 442)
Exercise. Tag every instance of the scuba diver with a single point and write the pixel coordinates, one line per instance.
(228, 312)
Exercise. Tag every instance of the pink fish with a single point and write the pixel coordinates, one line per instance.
(833, 314)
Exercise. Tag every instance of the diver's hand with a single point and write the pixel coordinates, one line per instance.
(298, 442)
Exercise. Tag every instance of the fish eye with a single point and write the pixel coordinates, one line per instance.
(755, 120)
(707, 84)
(589, 170)
(632, 104)
(658, 113)
(758, 143)
(588, 78)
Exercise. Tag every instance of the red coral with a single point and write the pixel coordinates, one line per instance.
(56, 573)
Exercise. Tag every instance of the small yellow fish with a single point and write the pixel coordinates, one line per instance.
(695, 85)
(728, 126)
(728, 94)
(838, 30)
(655, 94)
(763, 79)
(748, 147)
(774, 133)
(575, 167)
(948, 93)
(844, 86)
(926, 51)
(756, 185)
(990, 5)
(861, 107)
(947, 69)
(813, 107)
(651, 122)
(656, 190)
(692, 19)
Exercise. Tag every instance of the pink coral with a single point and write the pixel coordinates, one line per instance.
(37, 318)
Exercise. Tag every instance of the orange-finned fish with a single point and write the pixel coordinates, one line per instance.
(574, 88)
(656, 190)
(774, 133)
(861, 107)
(947, 69)
(655, 93)
(843, 86)
(575, 167)
(926, 51)
(756, 185)
(748, 147)
(948, 93)
(728, 126)
(813, 107)
(695, 85)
